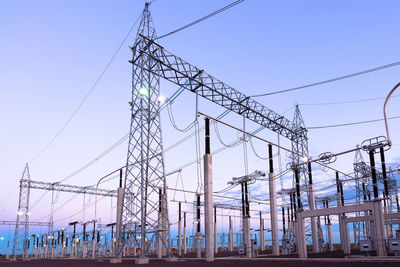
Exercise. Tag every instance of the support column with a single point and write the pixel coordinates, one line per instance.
(345, 234)
(379, 228)
(329, 226)
(262, 235)
(159, 237)
(272, 203)
(330, 238)
(378, 222)
(230, 234)
(247, 236)
(300, 234)
(198, 233)
(184, 234)
(118, 226)
(311, 201)
(339, 203)
(179, 231)
(208, 197)
(215, 231)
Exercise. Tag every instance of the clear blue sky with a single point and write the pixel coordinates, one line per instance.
(53, 51)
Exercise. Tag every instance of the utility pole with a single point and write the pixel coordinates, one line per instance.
(311, 201)
(272, 201)
(22, 221)
(208, 197)
(230, 235)
(198, 232)
(179, 229)
(184, 234)
(145, 169)
(262, 234)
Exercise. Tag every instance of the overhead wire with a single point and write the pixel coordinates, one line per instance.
(87, 94)
(201, 19)
(349, 124)
(394, 64)
(346, 102)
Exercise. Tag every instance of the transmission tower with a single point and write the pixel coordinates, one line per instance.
(144, 203)
(22, 223)
(299, 146)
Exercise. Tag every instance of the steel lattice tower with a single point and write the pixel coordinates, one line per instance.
(22, 223)
(144, 210)
(299, 146)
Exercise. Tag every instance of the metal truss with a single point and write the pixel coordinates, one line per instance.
(89, 190)
(299, 147)
(145, 196)
(22, 222)
(226, 206)
(145, 188)
(29, 223)
(184, 74)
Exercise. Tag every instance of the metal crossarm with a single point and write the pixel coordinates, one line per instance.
(182, 73)
(68, 188)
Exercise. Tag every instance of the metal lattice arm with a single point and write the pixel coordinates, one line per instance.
(182, 73)
(67, 188)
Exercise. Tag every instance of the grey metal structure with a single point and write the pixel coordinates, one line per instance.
(299, 146)
(145, 194)
(182, 73)
(22, 222)
(145, 189)
(29, 223)
(90, 190)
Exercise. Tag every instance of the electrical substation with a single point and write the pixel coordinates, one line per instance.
(210, 225)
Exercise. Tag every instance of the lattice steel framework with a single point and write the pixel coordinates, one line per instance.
(145, 165)
(145, 196)
(299, 146)
(89, 190)
(22, 222)
(183, 74)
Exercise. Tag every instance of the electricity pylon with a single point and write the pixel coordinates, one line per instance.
(22, 223)
(144, 209)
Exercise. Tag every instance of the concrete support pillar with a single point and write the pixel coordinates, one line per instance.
(179, 230)
(159, 237)
(272, 203)
(198, 244)
(179, 237)
(8, 251)
(208, 197)
(230, 246)
(262, 234)
(314, 228)
(208, 208)
(330, 237)
(118, 228)
(345, 235)
(379, 228)
(215, 232)
(184, 234)
(300, 237)
(164, 222)
(247, 236)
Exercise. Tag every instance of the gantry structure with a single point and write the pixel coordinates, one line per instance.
(144, 198)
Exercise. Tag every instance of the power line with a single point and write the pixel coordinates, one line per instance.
(394, 64)
(346, 102)
(87, 94)
(348, 124)
(202, 19)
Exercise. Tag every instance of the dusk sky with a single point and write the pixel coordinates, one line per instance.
(52, 52)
